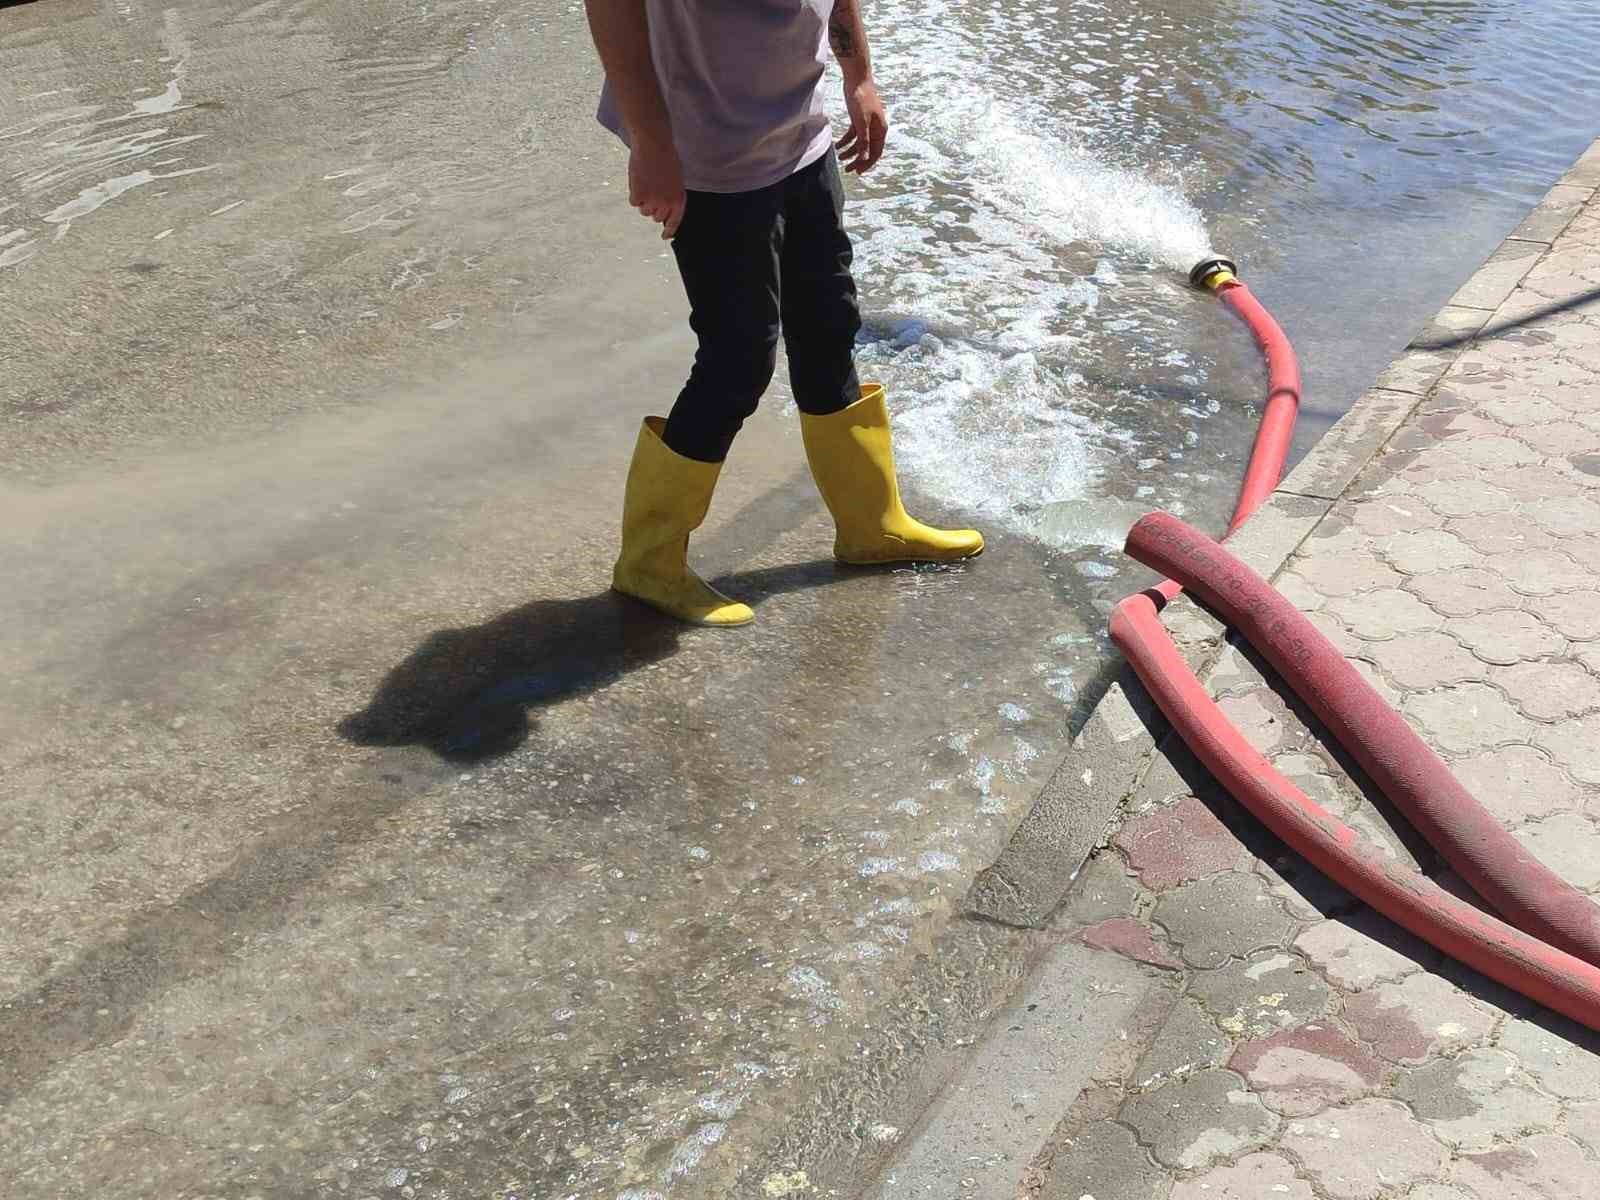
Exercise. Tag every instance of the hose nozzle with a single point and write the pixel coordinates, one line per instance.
(1209, 274)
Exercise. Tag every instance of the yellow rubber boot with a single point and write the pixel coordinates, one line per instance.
(853, 464)
(667, 499)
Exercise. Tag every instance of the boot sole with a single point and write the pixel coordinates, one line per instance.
(909, 558)
(698, 624)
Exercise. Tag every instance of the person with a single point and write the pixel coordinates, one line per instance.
(730, 151)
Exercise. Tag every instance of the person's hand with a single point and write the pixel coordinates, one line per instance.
(655, 184)
(861, 148)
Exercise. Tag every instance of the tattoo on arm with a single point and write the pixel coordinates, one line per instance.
(841, 38)
(842, 26)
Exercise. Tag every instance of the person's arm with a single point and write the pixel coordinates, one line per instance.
(621, 33)
(869, 123)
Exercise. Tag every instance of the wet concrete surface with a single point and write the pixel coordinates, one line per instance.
(355, 839)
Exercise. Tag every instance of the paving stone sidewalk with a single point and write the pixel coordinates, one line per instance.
(1312, 1049)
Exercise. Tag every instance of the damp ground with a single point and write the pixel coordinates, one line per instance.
(354, 838)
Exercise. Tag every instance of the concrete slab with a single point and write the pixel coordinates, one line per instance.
(1042, 1049)
(1498, 278)
(1551, 216)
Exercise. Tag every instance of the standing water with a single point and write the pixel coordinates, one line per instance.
(1051, 175)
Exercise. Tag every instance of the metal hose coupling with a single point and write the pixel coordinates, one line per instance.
(1210, 274)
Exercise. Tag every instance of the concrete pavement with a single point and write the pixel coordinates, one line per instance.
(352, 837)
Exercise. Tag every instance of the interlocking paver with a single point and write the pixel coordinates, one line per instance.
(1347, 575)
(1572, 744)
(1352, 956)
(1501, 533)
(1427, 660)
(1507, 638)
(1585, 551)
(1370, 1150)
(1464, 497)
(1269, 991)
(1189, 1041)
(1536, 484)
(1332, 628)
(1541, 572)
(1561, 437)
(1574, 615)
(1566, 844)
(1583, 1125)
(1100, 1159)
(1493, 453)
(1253, 1177)
(1476, 1098)
(1103, 891)
(1131, 938)
(1543, 1167)
(1177, 844)
(1194, 1121)
(1517, 783)
(1313, 776)
(1220, 917)
(1421, 1015)
(1558, 1055)
(1549, 691)
(1567, 516)
(1518, 412)
(1259, 715)
(1305, 892)
(1300, 1071)
(1464, 593)
(1299, 593)
(1384, 613)
(1588, 655)
(1467, 717)
(1423, 551)
(1379, 518)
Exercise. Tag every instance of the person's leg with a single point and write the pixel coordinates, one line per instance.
(820, 315)
(845, 423)
(728, 251)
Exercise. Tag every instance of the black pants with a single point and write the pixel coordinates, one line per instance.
(754, 263)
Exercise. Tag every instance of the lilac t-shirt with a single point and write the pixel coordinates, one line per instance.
(740, 80)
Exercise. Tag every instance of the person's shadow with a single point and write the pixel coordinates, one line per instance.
(467, 694)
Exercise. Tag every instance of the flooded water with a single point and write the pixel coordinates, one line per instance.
(1057, 167)
(382, 851)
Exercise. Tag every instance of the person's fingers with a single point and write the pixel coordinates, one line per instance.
(852, 147)
(879, 134)
(669, 226)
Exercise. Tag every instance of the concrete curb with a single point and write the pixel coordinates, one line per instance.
(1113, 752)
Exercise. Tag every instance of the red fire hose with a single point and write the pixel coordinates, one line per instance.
(1404, 767)
(1410, 899)
(1276, 429)
(1524, 891)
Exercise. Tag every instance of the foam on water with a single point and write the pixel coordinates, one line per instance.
(976, 319)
